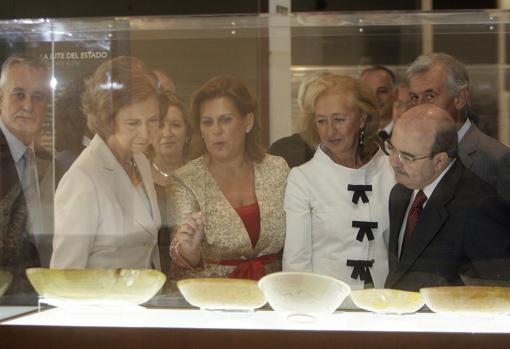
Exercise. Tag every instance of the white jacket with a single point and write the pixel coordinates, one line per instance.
(320, 213)
(101, 221)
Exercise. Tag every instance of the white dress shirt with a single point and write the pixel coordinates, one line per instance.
(428, 190)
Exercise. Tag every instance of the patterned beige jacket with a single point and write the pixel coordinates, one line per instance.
(193, 189)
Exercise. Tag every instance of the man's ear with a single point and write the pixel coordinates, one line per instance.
(440, 161)
(462, 99)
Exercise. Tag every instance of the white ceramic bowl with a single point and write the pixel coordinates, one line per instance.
(468, 300)
(303, 297)
(388, 301)
(222, 293)
(115, 287)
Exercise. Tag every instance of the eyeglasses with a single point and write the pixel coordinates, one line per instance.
(389, 149)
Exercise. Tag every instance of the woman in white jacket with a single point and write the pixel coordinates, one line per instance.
(336, 204)
(106, 212)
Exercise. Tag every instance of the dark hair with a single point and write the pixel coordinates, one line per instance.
(445, 141)
(383, 68)
(237, 92)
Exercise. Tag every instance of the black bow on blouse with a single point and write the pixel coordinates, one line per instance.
(359, 192)
(361, 270)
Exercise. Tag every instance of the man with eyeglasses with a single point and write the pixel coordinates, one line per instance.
(432, 204)
(440, 79)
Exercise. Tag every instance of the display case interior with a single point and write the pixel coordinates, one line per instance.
(138, 123)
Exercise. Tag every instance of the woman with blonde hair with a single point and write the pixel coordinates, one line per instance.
(230, 200)
(169, 151)
(337, 203)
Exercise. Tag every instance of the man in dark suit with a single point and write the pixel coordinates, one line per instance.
(382, 82)
(24, 172)
(440, 79)
(433, 204)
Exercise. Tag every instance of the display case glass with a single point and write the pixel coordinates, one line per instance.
(97, 158)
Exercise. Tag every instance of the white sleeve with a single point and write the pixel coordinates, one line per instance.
(76, 220)
(297, 252)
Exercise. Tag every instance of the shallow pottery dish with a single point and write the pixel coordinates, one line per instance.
(96, 286)
(388, 300)
(222, 294)
(468, 300)
(303, 297)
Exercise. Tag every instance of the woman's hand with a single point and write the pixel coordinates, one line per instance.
(189, 235)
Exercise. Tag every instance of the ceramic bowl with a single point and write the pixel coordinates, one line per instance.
(468, 300)
(388, 301)
(303, 297)
(222, 293)
(97, 286)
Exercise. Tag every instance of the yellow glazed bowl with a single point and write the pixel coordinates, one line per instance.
(222, 294)
(468, 300)
(388, 300)
(97, 286)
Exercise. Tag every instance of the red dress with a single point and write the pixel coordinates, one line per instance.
(249, 268)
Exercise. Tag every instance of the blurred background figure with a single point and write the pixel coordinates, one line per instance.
(26, 181)
(294, 149)
(230, 200)
(168, 152)
(336, 204)
(401, 100)
(164, 81)
(106, 212)
(170, 146)
(71, 132)
(381, 81)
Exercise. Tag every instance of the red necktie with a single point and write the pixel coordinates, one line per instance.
(414, 216)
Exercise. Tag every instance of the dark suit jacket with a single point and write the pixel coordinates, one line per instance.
(17, 251)
(487, 158)
(293, 149)
(442, 241)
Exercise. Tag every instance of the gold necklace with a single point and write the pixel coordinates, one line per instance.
(163, 173)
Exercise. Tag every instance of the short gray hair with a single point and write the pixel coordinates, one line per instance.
(30, 61)
(457, 77)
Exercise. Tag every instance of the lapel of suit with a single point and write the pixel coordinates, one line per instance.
(469, 146)
(399, 200)
(127, 197)
(8, 174)
(432, 218)
(149, 220)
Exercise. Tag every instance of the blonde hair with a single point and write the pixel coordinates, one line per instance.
(360, 97)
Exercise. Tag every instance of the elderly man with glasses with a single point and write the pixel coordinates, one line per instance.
(432, 204)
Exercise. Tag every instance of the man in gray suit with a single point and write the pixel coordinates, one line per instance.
(440, 79)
